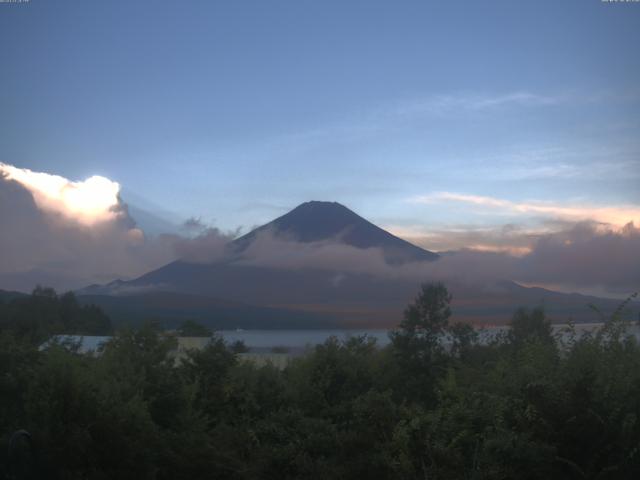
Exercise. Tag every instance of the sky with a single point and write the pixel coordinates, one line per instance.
(452, 124)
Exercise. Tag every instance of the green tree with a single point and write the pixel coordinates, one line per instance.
(463, 337)
(428, 316)
(527, 326)
(191, 328)
(209, 370)
(36, 317)
(417, 342)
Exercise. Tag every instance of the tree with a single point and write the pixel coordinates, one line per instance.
(36, 317)
(426, 319)
(463, 336)
(530, 326)
(209, 370)
(191, 328)
(417, 342)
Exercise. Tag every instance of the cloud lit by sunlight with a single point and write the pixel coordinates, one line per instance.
(90, 201)
(511, 250)
(615, 215)
(512, 240)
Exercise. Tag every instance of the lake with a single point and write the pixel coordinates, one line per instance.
(260, 340)
(297, 341)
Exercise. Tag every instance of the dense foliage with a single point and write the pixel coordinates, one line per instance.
(36, 317)
(527, 405)
(191, 328)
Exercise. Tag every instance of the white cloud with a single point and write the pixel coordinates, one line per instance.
(69, 234)
(90, 201)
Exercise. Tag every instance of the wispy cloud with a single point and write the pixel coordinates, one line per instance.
(384, 117)
(617, 215)
(462, 102)
(583, 160)
(515, 240)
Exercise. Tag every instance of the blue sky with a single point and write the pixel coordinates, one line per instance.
(236, 111)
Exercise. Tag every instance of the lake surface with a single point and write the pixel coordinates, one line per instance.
(298, 341)
(259, 340)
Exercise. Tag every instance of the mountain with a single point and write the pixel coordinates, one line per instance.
(330, 221)
(236, 291)
(231, 278)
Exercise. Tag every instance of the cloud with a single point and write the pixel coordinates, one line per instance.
(617, 215)
(91, 201)
(477, 269)
(388, 116)
(445, 104)
(44, 240)
(570, 161)
(276, 251)
(582, 256)
(69, 234)
(207, 246)
(574, 248)
(586, 255)
(510, 238)
(194, 224)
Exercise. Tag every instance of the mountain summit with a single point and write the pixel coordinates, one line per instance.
(318, 221)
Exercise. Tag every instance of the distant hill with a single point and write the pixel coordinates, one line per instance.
(171, 308)
(7, 295)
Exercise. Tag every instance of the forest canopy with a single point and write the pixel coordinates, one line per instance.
(527, 405)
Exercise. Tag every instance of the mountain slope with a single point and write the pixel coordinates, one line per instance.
(171, 308)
